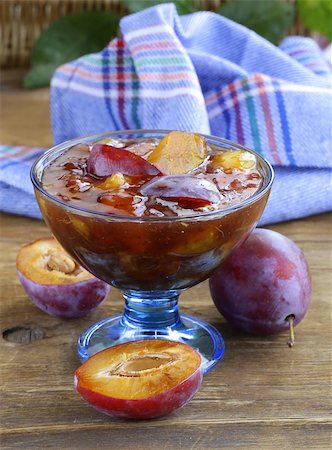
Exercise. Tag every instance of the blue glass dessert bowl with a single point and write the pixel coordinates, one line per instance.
(151, 257)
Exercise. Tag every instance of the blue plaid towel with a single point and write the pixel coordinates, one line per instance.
(16, 191)
(205, 73)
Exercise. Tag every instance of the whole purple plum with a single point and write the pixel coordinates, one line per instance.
(263, 284)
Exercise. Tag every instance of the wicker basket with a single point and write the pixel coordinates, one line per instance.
(22, 21)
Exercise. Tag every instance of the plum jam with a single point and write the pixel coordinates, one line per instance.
(117, 177)
(152, 213)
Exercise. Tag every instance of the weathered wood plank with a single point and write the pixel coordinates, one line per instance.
(292, 435)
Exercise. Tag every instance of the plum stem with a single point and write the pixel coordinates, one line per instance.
(290, 320)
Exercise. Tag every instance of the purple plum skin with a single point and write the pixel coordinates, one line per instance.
(183, 187)
(264, 281)
(66, 300)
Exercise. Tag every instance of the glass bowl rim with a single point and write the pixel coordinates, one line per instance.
(124, 218)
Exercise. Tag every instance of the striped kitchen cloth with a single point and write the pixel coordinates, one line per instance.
(16, 190)
(205, 73)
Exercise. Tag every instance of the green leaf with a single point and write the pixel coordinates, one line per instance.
(270, 19)
(66, 39)
(182, 6)
(316, 15)
(39, 76)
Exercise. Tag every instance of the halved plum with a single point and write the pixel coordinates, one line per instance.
(140, 379)
(55, 283)
(105, 160)
(187, 190)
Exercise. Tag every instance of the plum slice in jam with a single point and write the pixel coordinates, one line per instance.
(187, 190)
(179, 153)
(105, 160)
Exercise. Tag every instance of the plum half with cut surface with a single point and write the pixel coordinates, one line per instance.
(141, 379)
(55, 283)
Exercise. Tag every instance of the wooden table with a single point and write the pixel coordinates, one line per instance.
(262, 395)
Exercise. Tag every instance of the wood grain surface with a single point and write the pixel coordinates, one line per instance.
(263, 395)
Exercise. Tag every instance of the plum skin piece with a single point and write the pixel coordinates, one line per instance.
(105, 160)
(152, 407)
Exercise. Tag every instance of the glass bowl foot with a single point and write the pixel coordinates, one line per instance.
(197, 333)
